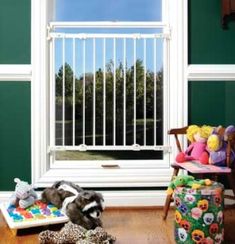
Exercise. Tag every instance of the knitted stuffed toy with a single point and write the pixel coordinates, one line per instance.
(197, 137)
(217, 147)
(72, 233)
(24, 195)
(187, 181)
(228, 131)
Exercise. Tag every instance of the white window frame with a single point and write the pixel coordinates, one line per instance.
(92, 174)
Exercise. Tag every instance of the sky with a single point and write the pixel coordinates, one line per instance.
(108, 10)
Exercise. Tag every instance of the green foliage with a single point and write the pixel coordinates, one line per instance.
(77, 97)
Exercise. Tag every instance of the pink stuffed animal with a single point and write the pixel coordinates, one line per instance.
(197, 149)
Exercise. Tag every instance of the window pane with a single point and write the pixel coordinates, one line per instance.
(109, 155)
(108, 10)
(85, 103)
(108, 82)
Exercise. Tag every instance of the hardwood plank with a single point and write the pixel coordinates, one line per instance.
(138, 225)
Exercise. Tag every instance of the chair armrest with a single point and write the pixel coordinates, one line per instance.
(178, 131)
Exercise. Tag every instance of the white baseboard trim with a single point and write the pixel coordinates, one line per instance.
(126, 198)
(5, 195)
(134, 198)
(120, 198)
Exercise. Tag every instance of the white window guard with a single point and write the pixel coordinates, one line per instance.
(53, 36)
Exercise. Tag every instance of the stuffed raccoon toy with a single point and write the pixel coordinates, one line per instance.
(83, 207)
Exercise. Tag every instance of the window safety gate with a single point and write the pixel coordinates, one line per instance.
(108, 90)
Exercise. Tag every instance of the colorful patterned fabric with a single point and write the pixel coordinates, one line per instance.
(37, 211)
(199, 216)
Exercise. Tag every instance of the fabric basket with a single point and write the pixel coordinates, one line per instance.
(199, 216)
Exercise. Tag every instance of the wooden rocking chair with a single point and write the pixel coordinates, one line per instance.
(230, 172)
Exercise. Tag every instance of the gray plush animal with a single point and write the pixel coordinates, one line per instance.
(24, 195)
(83, 207)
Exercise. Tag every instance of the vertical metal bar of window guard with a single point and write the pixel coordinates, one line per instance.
(94, 91)
(144, 91)
(52, 93)
(63, 94)
(84, 94)
(134, 81)
(74, 71)
(124, 91)
(155, 91)
(104, 92)
(114, 91)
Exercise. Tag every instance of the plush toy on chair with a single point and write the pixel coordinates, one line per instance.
(217, 146)
(197, 149)
(24, 195)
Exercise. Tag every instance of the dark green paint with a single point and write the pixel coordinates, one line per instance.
(15, 24)
(208, 42)
(229, 102)
(15, 144)
(211, 102)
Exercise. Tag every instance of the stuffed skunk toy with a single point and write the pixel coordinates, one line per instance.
(83, 207)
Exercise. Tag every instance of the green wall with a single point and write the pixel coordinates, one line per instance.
(209, 43)
(15, 156)
(210, 102)
(15, 125)
(15, 32)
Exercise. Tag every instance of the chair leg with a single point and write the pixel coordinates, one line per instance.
(232, 182)
(167, 206)
(169, 197)
(175, 172)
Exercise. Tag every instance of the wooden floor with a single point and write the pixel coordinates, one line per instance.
(130, 226)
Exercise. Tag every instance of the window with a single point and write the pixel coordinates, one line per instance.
(108, 90)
